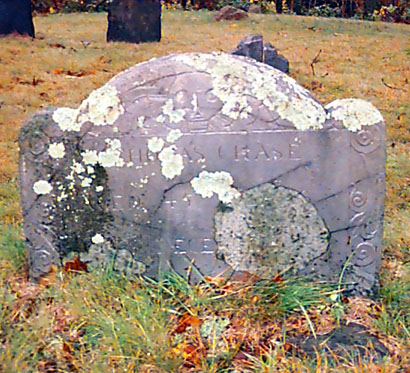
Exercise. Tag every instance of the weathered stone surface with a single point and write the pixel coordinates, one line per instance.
(211, 158)
(134, 21)
(15, 16)
(253, 46)
(230, 13)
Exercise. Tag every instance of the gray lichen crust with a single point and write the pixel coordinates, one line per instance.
(269, 230)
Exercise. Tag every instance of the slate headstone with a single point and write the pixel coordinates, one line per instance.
(272, 58)
(254, 47)
(211, 159)
(250, 46)
(134, 21)
(15, 17)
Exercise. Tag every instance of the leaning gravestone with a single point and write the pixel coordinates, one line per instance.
(15, 17)
(134, 21)
(213, 159)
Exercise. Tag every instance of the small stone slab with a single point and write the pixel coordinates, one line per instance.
(352, 342)
(134, 21)
(15, 17)
(211, 159)
(253, 46)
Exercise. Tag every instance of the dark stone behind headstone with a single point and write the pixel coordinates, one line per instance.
(272, 58)
(15, 16)
(252, 46)
(134, 21)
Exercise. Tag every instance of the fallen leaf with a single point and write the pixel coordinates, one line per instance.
(76, 265)
(185, 321)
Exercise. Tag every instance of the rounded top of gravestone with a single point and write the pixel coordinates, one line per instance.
(237, 88)
(198, 92)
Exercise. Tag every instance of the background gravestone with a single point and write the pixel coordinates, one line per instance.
(254, 47)
(210, 158)
(134, 21)
(15, 16)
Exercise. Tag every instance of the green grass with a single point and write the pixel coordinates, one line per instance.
(102, 322)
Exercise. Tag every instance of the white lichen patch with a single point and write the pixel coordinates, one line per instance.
(56, 150)
(42, 187)
(220, 183)
(140, 121)
(97, 239)
(62, 196)
(78, 168)
(90, 157)
(66, 119)
(171, 163)
(102, 107)
(86, 182)
(194, 102)
(233, 79)
(111, 157)
(174, 115)
(174, 135)
(155, 144)
(354, 113)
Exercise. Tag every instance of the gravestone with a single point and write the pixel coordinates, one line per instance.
(254, 47)
(210, 159)
(15, 17)
(134, 21)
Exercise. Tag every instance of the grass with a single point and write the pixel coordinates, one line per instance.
(103, 322)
